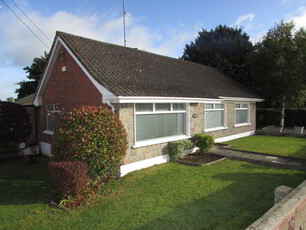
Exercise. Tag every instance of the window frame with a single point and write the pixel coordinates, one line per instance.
(214, 109)
(47, 130)
(142, 143)
(248, 113)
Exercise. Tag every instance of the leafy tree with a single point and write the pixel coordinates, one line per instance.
(225, 48)
(10, 99)
(34, 74)
(279, 67)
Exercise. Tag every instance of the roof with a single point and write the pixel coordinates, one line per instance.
(27, 100)
(131, 72)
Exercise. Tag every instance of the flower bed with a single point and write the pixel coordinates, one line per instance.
(198, 159)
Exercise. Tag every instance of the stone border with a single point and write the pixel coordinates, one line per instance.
(269, 133)
(55, 205)
(222, 145)
(197, 164)
(266, 154)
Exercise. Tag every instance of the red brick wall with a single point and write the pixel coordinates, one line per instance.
(71, 89)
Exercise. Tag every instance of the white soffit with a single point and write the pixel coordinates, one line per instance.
(241, 99)
(123, 99)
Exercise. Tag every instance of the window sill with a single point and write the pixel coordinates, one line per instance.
(140, 144)
(242, 124)
(49, 132)
(215, 129)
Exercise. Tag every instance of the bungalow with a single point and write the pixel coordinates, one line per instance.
(158, 99)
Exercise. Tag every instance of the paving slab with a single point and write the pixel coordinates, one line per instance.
(261, 158)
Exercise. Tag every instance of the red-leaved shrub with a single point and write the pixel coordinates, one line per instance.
(70, 178)
(94, 135)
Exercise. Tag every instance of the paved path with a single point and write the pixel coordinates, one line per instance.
(261, 158)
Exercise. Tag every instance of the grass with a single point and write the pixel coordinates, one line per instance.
(226, 195)
(283, 146)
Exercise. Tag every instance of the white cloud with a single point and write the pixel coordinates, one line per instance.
(299, 17)
(244, 18)
(18, 46)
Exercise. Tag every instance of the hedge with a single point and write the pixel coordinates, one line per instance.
(179, 148)
(69, 178)
(293, 117)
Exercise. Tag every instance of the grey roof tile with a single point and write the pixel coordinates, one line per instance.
(131, 72)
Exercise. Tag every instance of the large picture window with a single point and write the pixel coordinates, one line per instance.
(53, 113)
(158, 120)
(242, 113)
(214, 116)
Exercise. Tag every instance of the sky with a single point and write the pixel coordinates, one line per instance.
(158, 26)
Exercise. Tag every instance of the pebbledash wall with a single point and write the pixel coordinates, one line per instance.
(126, 115)
(72, 88)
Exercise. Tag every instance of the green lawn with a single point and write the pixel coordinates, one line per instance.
(284, 146)
(226, 195)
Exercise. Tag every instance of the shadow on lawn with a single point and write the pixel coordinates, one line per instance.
(301, 153)
(237, 206)
(23, 183)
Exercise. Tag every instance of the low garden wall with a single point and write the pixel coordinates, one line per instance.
(288, 214)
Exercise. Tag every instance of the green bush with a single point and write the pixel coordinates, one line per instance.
(92, 134)
(178, 148)
(14, 122)
(204, 142)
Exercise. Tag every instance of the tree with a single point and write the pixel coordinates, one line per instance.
(225, 48)
(34, 74)
(10, 99)
(279, 67)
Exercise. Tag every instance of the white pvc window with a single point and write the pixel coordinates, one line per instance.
(52, 118)
(242, 113)
(159, 120)
(214, 116)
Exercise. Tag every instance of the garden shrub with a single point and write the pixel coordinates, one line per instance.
(178, 148)
(204, 142)
(15, 125)
(95, 135)
(14, 122)
(69, 178)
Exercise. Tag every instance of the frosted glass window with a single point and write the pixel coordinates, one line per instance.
(214, 116)
(163, 107)
(50, 108)
(209, 106)
(53, 116)
(241, 116)
(151, 126)
(214, 119)
(178, 106)
(144, 107)
(219, 106)
(244, 105)
(57, 107)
